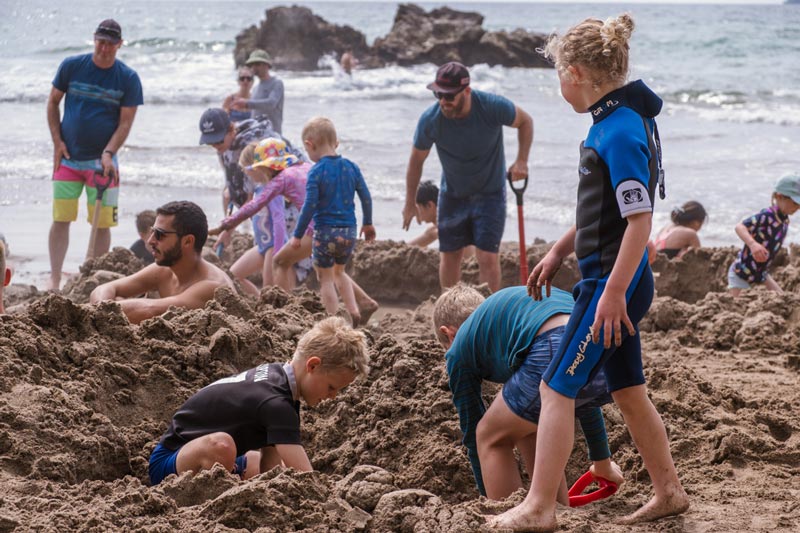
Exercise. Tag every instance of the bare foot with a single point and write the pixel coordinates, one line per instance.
(674, 504)
(519, 519)
(367, 308)
(53, 285)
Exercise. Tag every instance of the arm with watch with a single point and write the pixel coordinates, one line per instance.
(126, 116)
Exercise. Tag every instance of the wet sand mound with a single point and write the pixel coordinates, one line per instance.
(84, 397)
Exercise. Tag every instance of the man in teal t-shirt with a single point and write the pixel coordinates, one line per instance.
(466, 126)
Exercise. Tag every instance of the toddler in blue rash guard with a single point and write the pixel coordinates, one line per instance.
(332, 185)
(763, 235)
(618, 173)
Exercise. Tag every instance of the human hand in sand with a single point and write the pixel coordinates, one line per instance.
(608, 470)
(760, 254)
(294, 242)
(368, 231)
(611, 314)
(409, 212)
(543, 273)
(59, 151)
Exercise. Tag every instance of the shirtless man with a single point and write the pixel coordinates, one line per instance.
(180, 275)
(347, 61)
(5, 274)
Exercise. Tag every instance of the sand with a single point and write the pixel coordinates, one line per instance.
(85, 396)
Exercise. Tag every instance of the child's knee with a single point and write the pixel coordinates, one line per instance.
(220, 448)
(489, 435)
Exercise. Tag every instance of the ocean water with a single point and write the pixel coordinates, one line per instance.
(728, 74)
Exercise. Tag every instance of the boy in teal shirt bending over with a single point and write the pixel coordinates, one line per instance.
(510, 338)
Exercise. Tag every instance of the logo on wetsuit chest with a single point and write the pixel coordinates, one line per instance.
(632, 196)
(580, 356)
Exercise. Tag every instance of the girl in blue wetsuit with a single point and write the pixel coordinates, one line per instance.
(618, 174)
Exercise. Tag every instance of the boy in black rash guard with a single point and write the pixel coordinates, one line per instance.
(618, 172)
(250, 422)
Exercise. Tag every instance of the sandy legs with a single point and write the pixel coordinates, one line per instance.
(249, 263)
(334, 278)
(219, 448)
(284, 260)
(488, 266)
(650, 437)
(58, 243)
(537, 512)
(285, 278)
(554, 444)
(206, 451)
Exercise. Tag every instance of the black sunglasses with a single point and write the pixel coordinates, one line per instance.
(447, 97)
(245, 78)
(159, 233)
(111, 32)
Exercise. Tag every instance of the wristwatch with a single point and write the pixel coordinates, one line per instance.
(109, 152)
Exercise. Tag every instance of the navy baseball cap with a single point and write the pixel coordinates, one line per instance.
(214, 125)
(108, 30)
(451, 78)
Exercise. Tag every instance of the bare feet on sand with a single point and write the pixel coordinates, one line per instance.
(674, 504)
(518, 519)
(367, 308)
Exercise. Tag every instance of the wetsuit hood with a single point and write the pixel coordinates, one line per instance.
(635, 95)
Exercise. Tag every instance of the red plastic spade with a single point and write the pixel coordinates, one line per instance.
(576, 496)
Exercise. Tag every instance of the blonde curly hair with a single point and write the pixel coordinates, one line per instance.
(602, 47)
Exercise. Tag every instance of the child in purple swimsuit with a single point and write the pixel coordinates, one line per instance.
(763, 235)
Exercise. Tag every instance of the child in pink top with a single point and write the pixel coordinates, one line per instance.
(279, 174)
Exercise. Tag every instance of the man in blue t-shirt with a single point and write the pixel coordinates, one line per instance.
(102, 94)
(467, 128)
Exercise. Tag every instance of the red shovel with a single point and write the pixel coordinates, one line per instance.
(101, 183)
(576, 496)
(523, 255)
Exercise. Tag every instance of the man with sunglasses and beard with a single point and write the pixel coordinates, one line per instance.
(466, 126)
(180, 275)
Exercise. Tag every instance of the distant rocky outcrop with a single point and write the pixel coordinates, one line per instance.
(445, 35)
(297, 39)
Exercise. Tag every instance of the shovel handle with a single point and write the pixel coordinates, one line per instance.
(101, 182)
(518, 191)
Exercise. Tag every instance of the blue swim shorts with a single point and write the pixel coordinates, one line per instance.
(478, 219)
(162, 464)
(521, 392)
(333, 245)
(578, 359)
